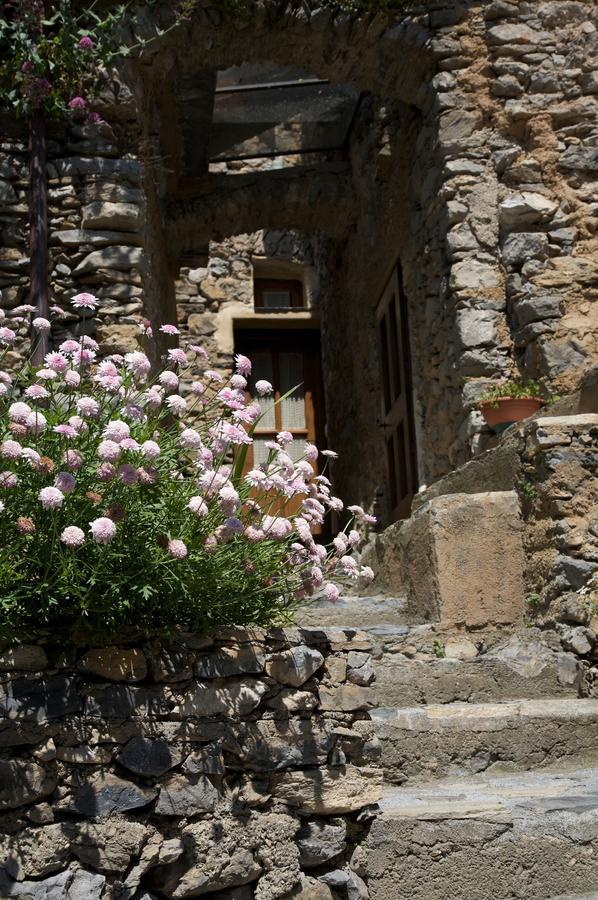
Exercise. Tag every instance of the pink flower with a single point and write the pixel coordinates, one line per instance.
(36, 423)
(78, 424)
(36, 392)
(198, 506)
(116, 430)
(51, 497)
(8, 480)
(284, 437)
(84, 357)
(65, 482)
(148, 475)
(56, 361)
(367, 573)
(178, 356)
(200, 351)
(177, 549)
(129, 444)
(331, 592)
(69, 346)
(77, 103)
(11, 450)
(106, 471)
(103, 530)
(263, 387)
(65, 430)
(150, 449)
(72, 536)
(27, 66)
(169, 329)
(311, 452)
(85, 301)
(137, 362)
(213, 376)
(169, 380)
(19, 412)
(72, 379)
(229, 499)
(32, 457)
(190, 439)
(5, 377)
(7, 335)
(95, 118)
(73, 459)
(108, 451)
(238, 382)
(330, 454)
(243, 364)
(254, 534)
(87, 406)
(46, 374)
(128, 474)
(176, 404)
(41, 324)
(86, 43)
(359, 513)
(57, 311)
(276, 527)
(197, 388)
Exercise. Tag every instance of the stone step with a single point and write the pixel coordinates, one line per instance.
(420, 743)
(536, 671)
(354, 612)
(531, 835)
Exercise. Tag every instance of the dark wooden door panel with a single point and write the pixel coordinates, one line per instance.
(397, 398)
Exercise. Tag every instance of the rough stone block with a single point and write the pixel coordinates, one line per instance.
(464, 561)
(115, 664)
(328, 791)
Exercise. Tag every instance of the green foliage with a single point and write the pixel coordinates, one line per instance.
(533, 602)
(516, 390)
(439, 649)
(527, 489)
(48, 59)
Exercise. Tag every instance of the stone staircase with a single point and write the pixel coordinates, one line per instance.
(490, 759)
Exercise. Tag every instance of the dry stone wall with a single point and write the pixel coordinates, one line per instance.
(225, 767)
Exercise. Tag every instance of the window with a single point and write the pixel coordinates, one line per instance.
(277, 294)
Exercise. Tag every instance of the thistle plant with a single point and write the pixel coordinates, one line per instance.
(125, 501)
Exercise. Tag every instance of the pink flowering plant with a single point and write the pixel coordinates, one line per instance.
(126, 500)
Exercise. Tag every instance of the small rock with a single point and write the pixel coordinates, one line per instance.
(111, 216)
(108, 847)
(346, 698)
(460, 649)
(576, 640)
(207, 760)
(336, 669)
(114, 663)
(525, 209)
(229, 661)
(328, 790)
(46, 752)
(223, 697)
(104, 793)
(181, 796)
(170, 662)
(84, 755)
(40, 700)
(290, 701)
(295, 666)
(147, 757)
(23, 782)
(41, 814)
(319, 842)
(573, 611)
(78, 885)
(119, 701)
(568, 669)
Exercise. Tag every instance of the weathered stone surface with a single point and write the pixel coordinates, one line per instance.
(169, 662)
(35, 852)
(40, 700)
(267, 746)
(247, 659)
(311, 889)
(148, 757)
(114, 664)
(23, 782)
(319, 841)
(230, 852)
(475, 581)
(346, 698)
(26, 657)
(223, 697)
(121, 701)
(69, 885)
(525, 209)
(186, 796)
(474, 276)
(84, 755)
(118, 257)
(109, 215)
(522, 246)
(536, 309)
(289, 701)
(477, 327)
(102, 794)
(208, 760)
(295, 666)
(328, 791)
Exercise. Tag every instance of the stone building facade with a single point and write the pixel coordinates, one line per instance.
(471, 163)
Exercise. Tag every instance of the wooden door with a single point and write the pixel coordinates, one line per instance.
(397, 400)
(287, 359)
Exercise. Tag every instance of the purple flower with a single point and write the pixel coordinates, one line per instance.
(117, 430)
(11, 450)
(27, 66)
(65, 430)
(51, 497)
(36, 392)
(56, 361)
(72, 536)
(169, 329)
(8, 480)
(86, 43)
(190, 438)
(128, 474)
(94, 118)
(177, 356)
(85, 301)
(103, 530)
(331, 592)
(108, 451)
(77, 103)
(7, 335)
(65, 482)
(73, 459)
(106, 471)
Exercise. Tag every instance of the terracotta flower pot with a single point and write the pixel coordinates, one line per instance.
(501, 413)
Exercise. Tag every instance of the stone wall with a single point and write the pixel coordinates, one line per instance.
(225, 767)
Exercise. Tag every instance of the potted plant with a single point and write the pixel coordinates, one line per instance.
(509, 402)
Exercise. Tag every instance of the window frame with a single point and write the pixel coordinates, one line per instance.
(293, 285)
